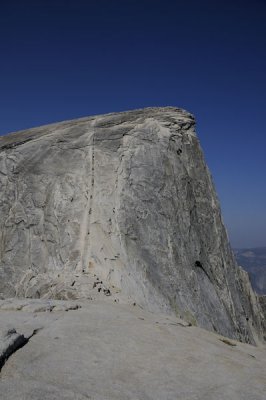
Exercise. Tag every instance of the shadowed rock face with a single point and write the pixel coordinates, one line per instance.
(127, 197)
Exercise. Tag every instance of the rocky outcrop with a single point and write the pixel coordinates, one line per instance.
(126, 197)
(253, 260)
(10, 341)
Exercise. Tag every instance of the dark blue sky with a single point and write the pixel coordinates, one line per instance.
(66, 59)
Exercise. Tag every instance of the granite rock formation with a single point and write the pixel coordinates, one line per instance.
(127, 198)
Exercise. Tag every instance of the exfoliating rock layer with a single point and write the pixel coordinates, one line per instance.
(121, 203)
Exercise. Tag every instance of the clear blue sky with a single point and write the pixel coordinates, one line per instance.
(66, 59)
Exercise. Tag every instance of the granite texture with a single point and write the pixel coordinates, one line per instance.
(109, 351)
(127, 198)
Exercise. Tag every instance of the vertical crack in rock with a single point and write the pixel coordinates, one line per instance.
(86, 223)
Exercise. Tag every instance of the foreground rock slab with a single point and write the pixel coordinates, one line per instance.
(108, 351)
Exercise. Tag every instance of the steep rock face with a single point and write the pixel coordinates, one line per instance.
(126, 197)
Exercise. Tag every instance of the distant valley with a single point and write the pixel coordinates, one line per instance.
(254, 262)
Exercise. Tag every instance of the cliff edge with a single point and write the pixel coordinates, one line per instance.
(127, 198)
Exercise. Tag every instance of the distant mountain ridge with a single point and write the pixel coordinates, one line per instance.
(253, 260)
